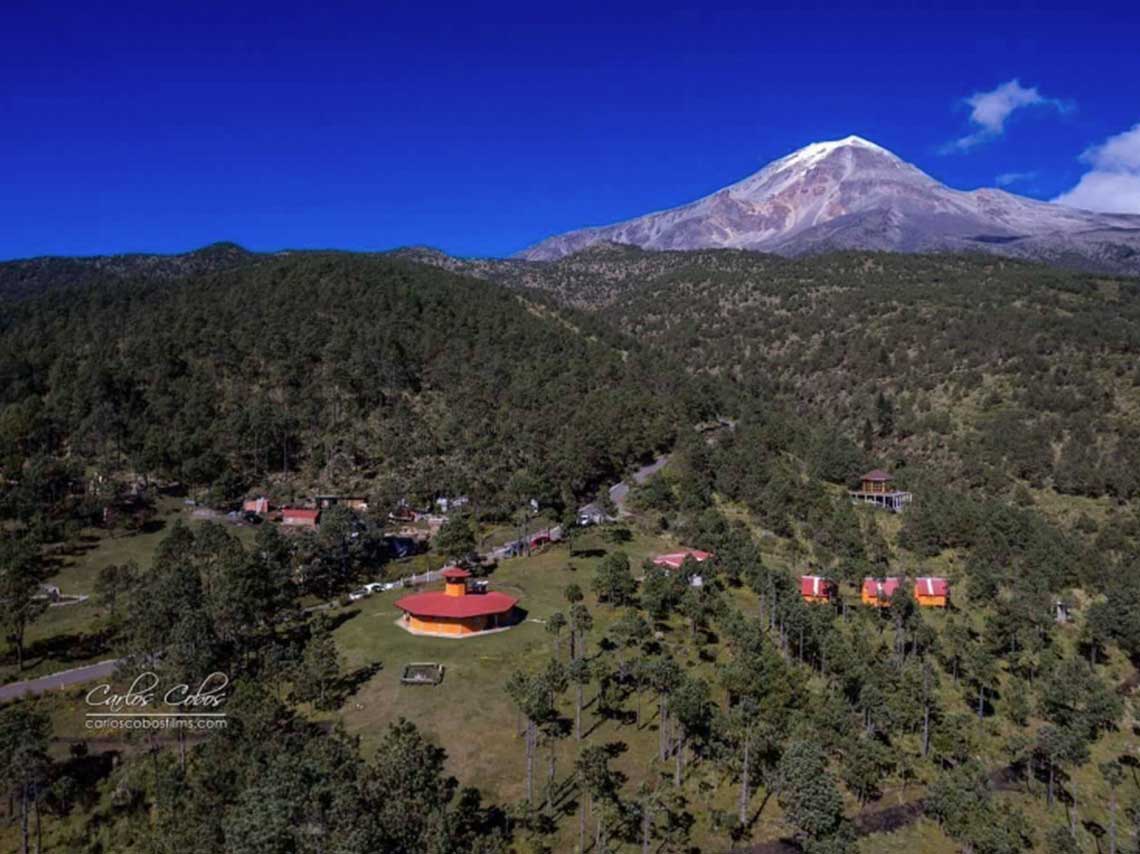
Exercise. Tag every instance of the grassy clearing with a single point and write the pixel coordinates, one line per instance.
(70, 636)
(923, 836)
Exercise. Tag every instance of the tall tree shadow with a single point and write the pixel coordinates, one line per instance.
(75, 647)
(350, 683)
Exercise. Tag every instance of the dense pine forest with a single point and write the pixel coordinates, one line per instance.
(993, 372)
(990, 372)
(636, 708)
(364, 372)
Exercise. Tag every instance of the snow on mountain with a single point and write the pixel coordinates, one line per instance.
(853, 194)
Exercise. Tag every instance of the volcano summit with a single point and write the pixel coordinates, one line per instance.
(853, 194)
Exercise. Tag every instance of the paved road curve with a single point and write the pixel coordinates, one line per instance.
(58, 681)
(619, 491)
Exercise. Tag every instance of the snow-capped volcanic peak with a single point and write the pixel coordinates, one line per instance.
(851, 193)
(817, 150)
(833, 162)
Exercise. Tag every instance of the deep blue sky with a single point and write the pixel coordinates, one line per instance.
(483, 128)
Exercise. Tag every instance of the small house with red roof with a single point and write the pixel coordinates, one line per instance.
(876, 487)
(300, 517)
(877, 592)
(673, 560)
(816, 588)
(932, 591)
(457, 611)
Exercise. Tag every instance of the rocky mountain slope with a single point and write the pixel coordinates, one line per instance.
(853, 194)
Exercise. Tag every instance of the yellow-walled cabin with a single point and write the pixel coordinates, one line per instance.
(877, 592)
(815, 589)
(932, 592)
(456, 611)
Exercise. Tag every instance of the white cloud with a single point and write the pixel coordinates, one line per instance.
(1118, 153)
(1007, 178)
(989, 111)
(1110, 192)
(1113, 183)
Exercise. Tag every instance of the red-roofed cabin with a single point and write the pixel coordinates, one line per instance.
(456, 611)
(816, 588)
(932, 592)
(301, 517)
(878, 591)
(673, 560)
(256, 505)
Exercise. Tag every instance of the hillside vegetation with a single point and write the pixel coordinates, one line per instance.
(986, 371)
(633, 707)
(334, 370)
(31, 277)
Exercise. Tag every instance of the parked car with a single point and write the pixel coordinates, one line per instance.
(362, 593)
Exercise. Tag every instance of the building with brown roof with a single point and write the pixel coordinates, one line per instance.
(877, 488)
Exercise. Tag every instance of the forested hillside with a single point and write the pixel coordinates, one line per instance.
(598, 276)
(32, 277)
(351, 372)
(988, 371)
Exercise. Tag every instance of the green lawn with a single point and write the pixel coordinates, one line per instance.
(68, 636)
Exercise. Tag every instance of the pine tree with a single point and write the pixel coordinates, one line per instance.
(320, 668)
(885, 412)
(613, 582)
(808, 794)
(555, 623)
(22, 598)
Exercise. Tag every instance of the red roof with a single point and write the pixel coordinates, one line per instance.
(878, 476)
(931, 586)
(300, 513)
(673, 560)
(815, 585)
(455, 573)
(436, 604)
(880, 588)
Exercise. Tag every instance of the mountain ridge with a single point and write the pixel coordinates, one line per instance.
(25, 277)
(854, 194)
